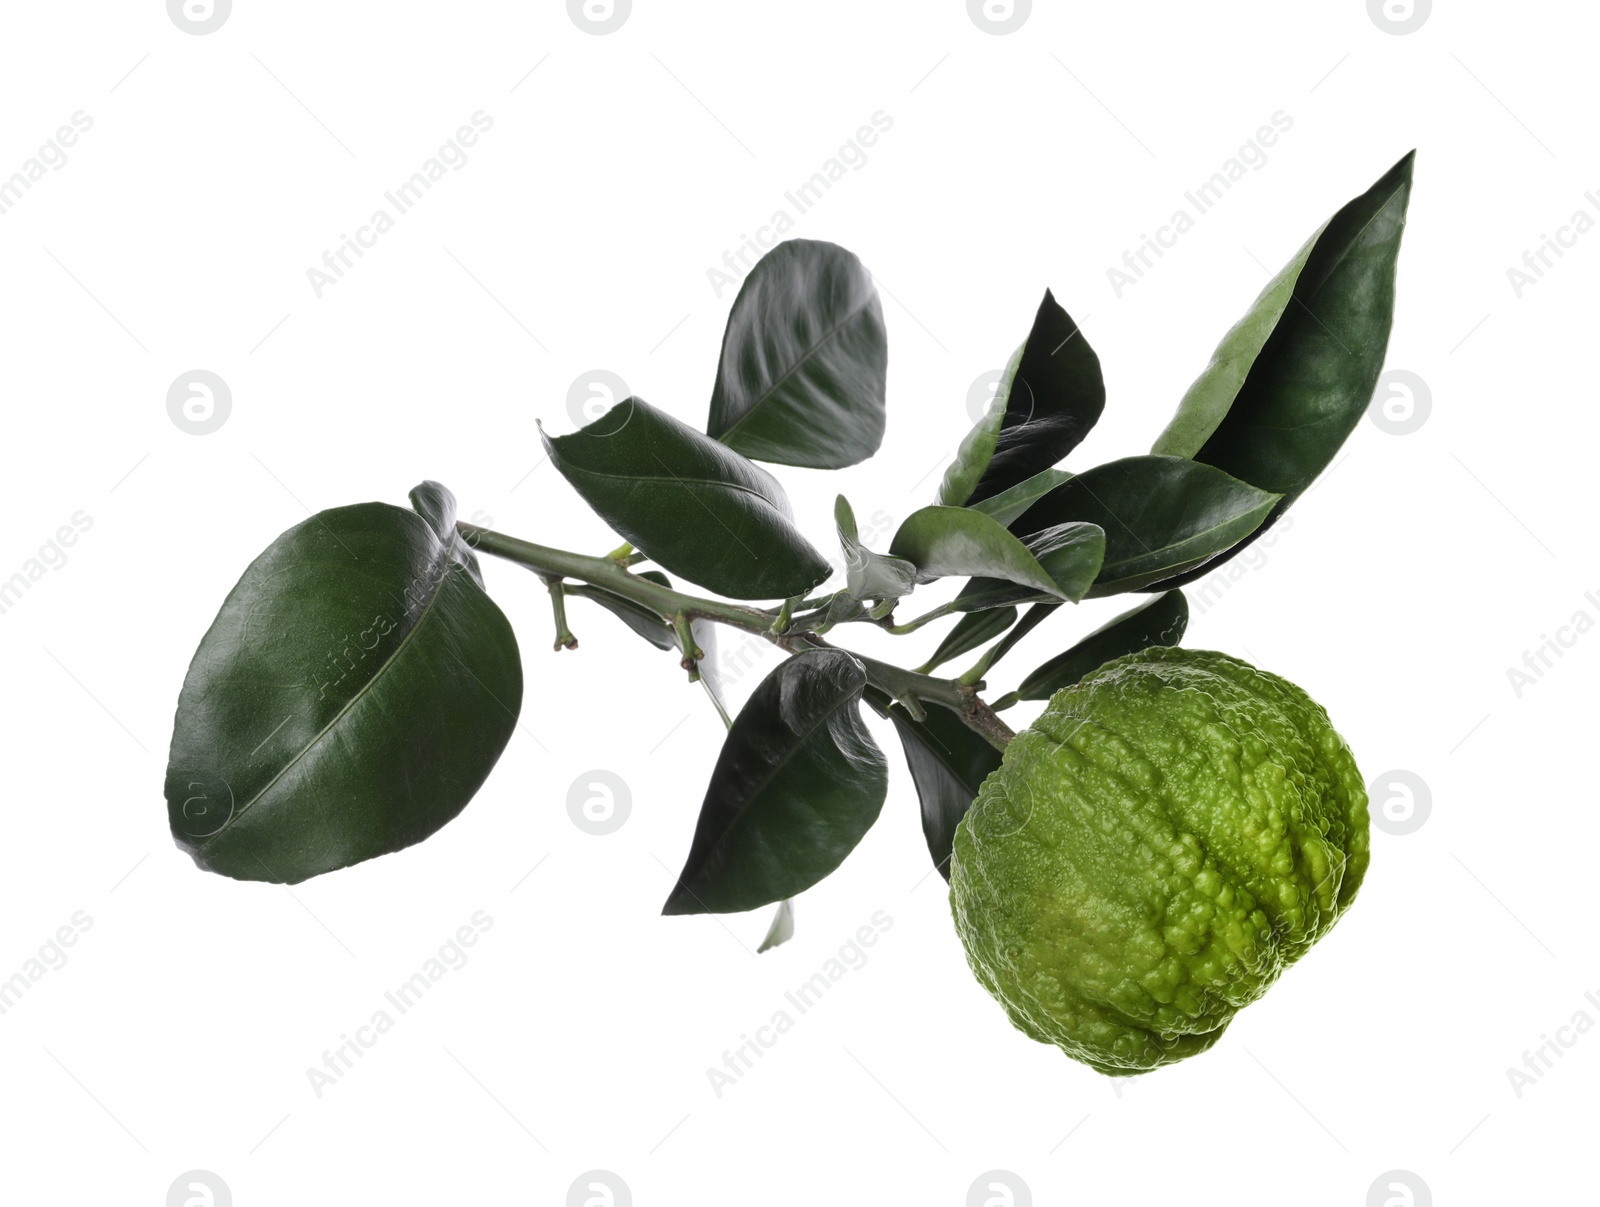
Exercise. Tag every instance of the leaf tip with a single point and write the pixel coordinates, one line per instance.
(680, 902)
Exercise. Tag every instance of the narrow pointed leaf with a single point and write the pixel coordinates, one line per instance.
(696, 507)
(1056, 397)
(1049, 397)
(1291, 380)
(1161, 515)
(1031, 619)
(977, 447)
(804, 358)
(971, 631)
(349, 699)
(869, 575)
(1162, 621)
(798, 783)
(948, 763)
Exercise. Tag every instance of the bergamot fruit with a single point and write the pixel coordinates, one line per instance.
(1170, 835)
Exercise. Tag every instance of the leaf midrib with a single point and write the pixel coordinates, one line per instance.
(1188, 540)
(675, 479)
(766, 394)
(382, 670)
(766, 782)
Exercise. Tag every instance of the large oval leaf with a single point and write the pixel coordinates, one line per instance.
(804, 357)
(869, 575)
(1161, 621)
(348, 700)
(1161, 515)
(948, 762)
(947, 541)
(695, 506)
(1049, 396)
(798, 783)
(1291, 380)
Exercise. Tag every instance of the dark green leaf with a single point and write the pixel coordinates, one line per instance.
(869, 575)
(798, 783)
(948, 762)
(695, 506)
(801, 379)
(636, 616)
(1035, 616)
(352, 694)
(1161, 515)
(1009, 504)
(1290, 381)
(1161, 621)
(946, 541)
(970, 632)
(1049, 396)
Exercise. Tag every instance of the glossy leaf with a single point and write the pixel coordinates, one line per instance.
(1049, 397)
(1070, 553)
(1161, 621)
(973, 630)
(948, 762)
(946, 541)
(1055, 398)
(349, 699)
(869, 575)
(804, 358)
(636, 616)
(1006, 506)
(1291, 380)
(695, 507)
(1161, 515)
(798, 783)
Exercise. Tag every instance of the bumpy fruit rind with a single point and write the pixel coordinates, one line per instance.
(1167, 837)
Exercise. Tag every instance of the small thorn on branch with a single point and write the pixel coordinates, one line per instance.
(683, 629)
(558, 605)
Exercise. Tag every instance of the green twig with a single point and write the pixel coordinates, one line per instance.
(679, 610)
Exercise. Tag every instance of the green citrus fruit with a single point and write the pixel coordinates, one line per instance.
(1170, 835)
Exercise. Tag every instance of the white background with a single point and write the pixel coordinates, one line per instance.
(578, 237)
